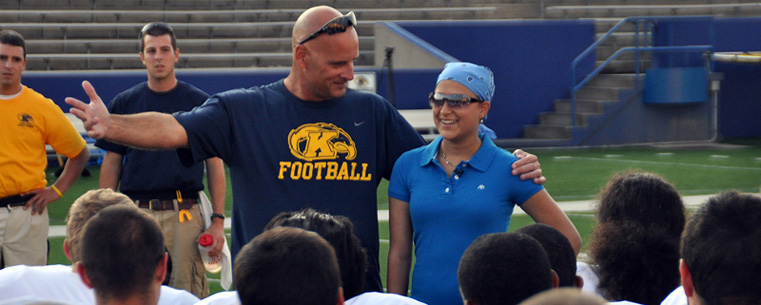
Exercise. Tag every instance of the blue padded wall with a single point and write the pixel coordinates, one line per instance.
(739, 107)
(530, 59)
(58, 86)
(682, 33)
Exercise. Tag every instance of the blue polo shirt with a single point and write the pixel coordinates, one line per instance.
(448, 213)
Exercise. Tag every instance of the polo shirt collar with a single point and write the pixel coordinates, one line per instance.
(480, 161)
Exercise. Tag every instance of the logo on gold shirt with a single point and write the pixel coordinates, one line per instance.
(25, 120)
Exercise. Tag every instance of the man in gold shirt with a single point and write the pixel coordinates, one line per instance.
(29, 121)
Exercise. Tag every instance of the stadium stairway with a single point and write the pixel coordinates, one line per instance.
(603, 92)
(617, 80)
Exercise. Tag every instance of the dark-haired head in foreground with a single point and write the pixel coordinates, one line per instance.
(123, 256)
(285, 266)
(559, 250)
(721, 251)
(636, 243)
(504, 269)
(338, 231)
(564, 296)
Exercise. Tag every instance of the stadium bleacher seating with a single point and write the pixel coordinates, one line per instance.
(77, 34)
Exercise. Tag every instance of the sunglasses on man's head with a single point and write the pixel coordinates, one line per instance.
(335, 25)
(452, 100)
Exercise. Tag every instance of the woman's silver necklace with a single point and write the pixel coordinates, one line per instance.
(443, 154)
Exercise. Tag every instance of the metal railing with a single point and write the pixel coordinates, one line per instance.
(647, 24)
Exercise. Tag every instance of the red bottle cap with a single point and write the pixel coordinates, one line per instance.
(205, 240)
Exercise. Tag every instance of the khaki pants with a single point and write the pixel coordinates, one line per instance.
(181, 239)
(23, 237)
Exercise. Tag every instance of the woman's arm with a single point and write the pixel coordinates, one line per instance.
(400, 249)
(543, 209)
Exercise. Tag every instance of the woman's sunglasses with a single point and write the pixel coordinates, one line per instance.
(335, 25)
(452, 100)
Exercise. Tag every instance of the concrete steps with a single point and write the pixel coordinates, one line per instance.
(190, 45)
(95, 34)
(63, 31)
(563, 118)
(685, 8)
(548, 132)
(602, 92)
(140, 15)
(616, 80)
(240, 4)
(187, 60)
(582, 106)
(624, 66)
(604, 52)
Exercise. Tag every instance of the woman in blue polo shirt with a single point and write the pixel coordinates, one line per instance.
(455, 189)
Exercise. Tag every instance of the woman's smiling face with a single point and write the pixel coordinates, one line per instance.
(458, 122)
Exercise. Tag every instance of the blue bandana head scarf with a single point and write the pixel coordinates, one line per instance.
(478, 79)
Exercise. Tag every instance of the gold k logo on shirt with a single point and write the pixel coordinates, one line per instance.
(321, 141)
(320, 145)
(25, 119)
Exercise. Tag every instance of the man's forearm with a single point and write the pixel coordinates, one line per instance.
(152, 130)
(110, 171)
(71, 170)
(215, 176)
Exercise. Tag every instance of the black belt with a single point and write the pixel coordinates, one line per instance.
(162, 195)
(14, 201)
(156, 204)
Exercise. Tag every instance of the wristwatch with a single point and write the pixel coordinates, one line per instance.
(217, 215)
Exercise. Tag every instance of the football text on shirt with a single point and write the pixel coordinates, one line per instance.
(320, 145)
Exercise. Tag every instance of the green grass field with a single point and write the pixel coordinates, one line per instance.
(573, 174)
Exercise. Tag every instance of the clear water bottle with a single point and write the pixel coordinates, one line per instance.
(212, 264)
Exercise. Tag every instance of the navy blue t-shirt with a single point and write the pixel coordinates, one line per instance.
(155, 170)
(286, 154)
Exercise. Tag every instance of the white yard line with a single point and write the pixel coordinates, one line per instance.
(665, 163)
(568, 206)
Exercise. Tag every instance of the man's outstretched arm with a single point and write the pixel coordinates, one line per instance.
(144, 130)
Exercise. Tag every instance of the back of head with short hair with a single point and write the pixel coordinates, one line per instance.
(286, 266)
(644, 198)
(721, 247)
(338, 231)
(636, 241)
(564, 296)
(559, 250)
(121, 250)
(503, 269)
(13, 38)
(83, 209)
